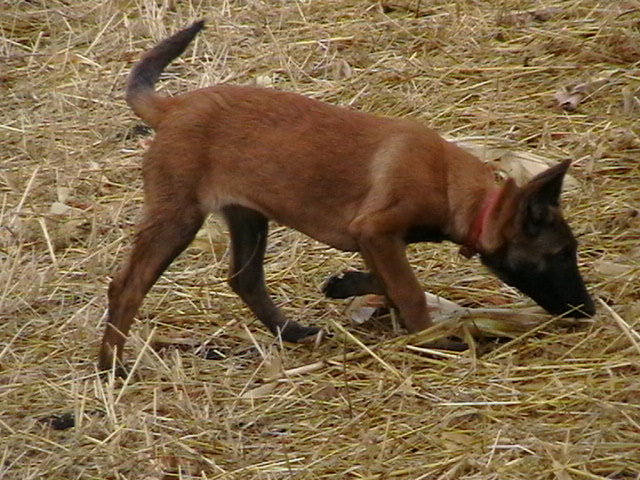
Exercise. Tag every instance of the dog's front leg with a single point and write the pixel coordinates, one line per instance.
(386, 256)
(352, 283)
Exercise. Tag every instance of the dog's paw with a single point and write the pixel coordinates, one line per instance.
(350, 283)
(450, 344)
(295, 333)
(120, 371)
(106, 365)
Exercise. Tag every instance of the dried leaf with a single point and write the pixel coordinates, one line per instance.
(520, 165)
(630, 100)
(361, 309)
(501, 322)
(212, 236)
(560, 471)
(264, 80)
(523, 166)
(342, 70)
(441, 305)
(569, 98)
(63, 194)
(59, 208)
(612, 269)
(273, 365)
(261, 391)
(524, 17)
(161, 342)
(455, 440)
(326, 393)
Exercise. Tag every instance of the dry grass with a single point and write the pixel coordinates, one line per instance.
(556, 404)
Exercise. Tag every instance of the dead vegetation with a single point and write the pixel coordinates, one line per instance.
(212, 395)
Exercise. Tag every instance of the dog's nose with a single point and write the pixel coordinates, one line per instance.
(589, 308)
(586, 310)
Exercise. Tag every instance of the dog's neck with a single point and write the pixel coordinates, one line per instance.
(479, 222)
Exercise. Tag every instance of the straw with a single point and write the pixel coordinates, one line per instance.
(213, 395)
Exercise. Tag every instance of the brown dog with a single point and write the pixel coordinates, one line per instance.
(354, 181)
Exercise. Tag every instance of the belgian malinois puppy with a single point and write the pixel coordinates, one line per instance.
(355, 181)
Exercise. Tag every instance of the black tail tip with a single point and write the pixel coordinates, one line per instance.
(197, 26)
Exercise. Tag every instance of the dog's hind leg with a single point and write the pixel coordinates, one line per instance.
(163, 234)
(248, 230)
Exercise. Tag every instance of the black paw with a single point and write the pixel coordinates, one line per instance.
(120, 371)
(351, 283)
(450, 344)
(295, 333)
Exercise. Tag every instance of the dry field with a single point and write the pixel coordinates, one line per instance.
(212, 396)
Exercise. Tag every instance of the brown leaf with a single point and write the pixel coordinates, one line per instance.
(342, 70)
(524, 17)
(327, 392)
(569, 98)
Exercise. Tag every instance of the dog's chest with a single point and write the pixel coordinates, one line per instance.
(422, 233)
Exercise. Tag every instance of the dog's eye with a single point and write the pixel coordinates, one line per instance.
(563, 254)
(566, 253)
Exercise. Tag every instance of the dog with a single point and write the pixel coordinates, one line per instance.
(351, 180)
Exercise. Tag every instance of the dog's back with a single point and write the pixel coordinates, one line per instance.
(292, 158)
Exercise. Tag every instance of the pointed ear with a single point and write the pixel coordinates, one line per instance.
(547, 186)
(543, 191)
(494, 231)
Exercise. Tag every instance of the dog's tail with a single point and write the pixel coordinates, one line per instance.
(141, 96)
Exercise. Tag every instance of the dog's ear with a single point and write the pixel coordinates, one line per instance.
(541, 194)
(498, 227)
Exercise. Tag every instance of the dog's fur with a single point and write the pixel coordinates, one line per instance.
(354, 181)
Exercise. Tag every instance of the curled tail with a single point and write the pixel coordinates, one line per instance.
(141, 96)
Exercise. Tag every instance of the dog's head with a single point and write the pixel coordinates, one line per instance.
(530, 246)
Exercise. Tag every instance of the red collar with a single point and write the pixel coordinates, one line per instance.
(471, 245)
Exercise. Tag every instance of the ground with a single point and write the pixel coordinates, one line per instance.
(556, 403)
